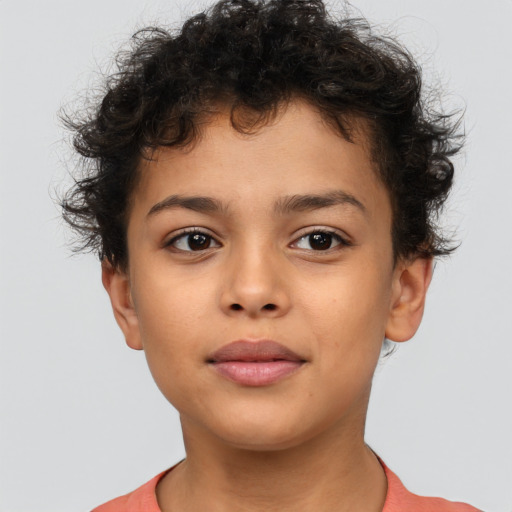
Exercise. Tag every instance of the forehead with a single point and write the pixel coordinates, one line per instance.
(297, 152)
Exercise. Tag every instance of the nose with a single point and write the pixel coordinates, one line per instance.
(255, 285)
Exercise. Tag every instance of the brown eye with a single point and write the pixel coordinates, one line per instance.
(198, 241)
(193, 242)
(320, 241)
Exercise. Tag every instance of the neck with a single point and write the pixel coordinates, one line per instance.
(335, 472)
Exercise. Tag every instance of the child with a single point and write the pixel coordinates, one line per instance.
(261, 195)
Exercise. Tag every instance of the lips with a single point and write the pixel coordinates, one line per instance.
(255, 363)
(256, 351)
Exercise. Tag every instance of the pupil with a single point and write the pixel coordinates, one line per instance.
(198, 241)
(320, 241)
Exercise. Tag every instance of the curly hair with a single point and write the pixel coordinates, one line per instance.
(255, 56)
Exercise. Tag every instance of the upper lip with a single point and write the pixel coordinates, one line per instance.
(253, 350)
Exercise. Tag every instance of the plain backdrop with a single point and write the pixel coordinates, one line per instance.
(81, 420)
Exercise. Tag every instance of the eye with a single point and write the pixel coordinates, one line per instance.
(193, 241)
(320, 241)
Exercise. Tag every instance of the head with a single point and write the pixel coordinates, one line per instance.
(254, 57)
(299, 150)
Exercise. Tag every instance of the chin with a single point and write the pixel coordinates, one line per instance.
(263, 443)
(261, 436)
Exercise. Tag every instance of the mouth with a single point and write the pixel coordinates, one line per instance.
(255, 363)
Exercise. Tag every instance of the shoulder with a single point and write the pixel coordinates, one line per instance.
(399, 499)
(142, 499)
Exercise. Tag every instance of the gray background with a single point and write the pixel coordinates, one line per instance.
(82, 421)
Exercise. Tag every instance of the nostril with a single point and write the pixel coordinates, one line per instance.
(266, 307)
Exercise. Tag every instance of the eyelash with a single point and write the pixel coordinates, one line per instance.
(186, 233)
(342, 242)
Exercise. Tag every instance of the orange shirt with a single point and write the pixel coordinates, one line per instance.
(398, 499)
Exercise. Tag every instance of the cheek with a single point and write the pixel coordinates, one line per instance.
(348, 317)
(168, 302)
(178, 322)
(348, 330)
(172, 314)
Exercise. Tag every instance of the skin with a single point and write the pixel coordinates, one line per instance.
(264, 448)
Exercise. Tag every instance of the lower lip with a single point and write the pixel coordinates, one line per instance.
(256, 373)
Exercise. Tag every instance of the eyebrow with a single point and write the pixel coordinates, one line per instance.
(283, 206)
(309, 202)
(199, 204)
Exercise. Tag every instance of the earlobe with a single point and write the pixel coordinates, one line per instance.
(410, 285)
(117, 285)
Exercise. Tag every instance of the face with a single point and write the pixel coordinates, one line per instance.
(283, 235)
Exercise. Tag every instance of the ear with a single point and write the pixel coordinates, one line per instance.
(118, 287)
(411, 280)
